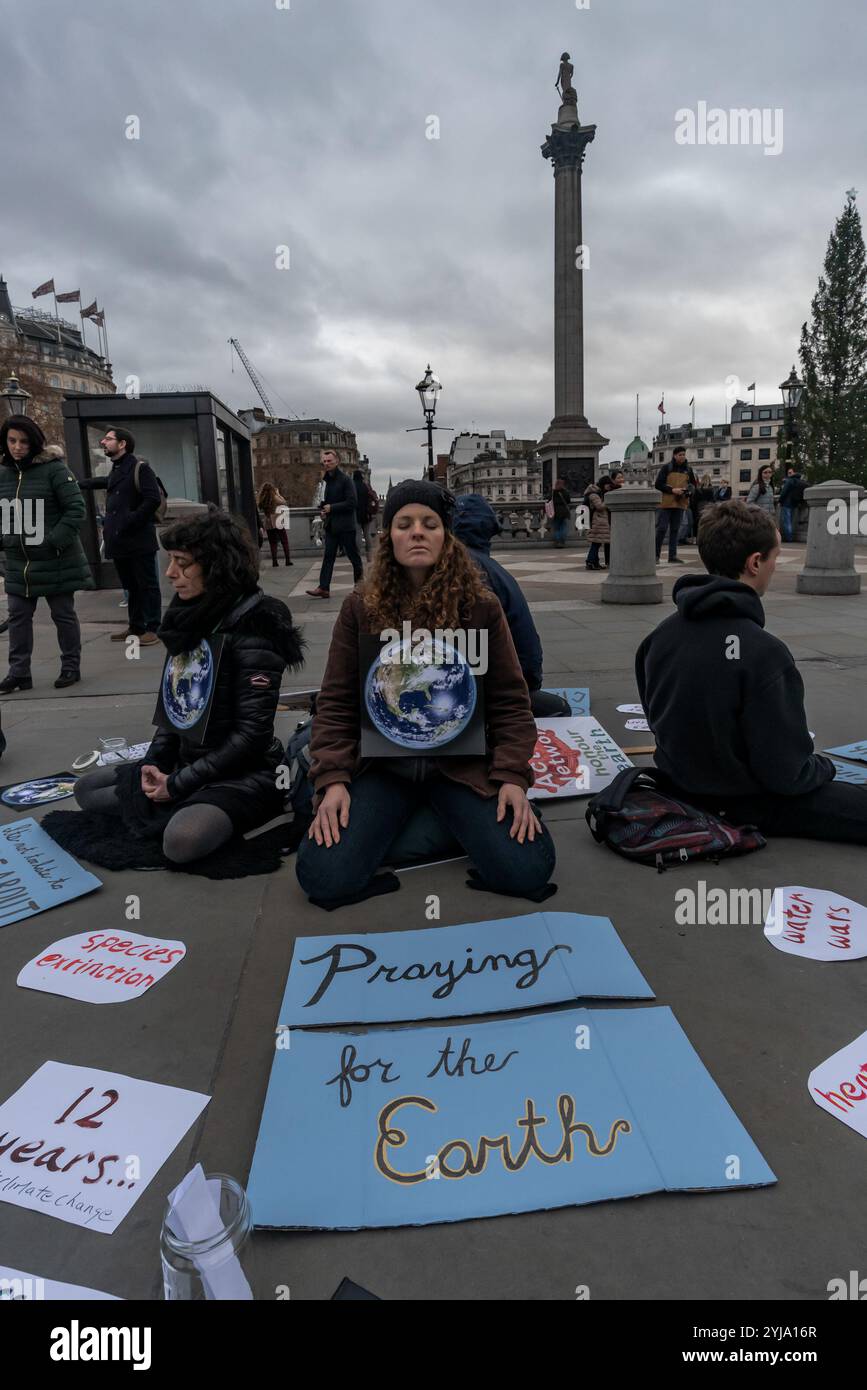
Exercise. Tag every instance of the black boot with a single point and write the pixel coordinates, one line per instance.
(67, 678)
(15, 683)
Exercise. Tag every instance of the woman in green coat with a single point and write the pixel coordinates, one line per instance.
(42, 508)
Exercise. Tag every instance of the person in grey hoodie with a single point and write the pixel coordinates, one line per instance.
(725, 699)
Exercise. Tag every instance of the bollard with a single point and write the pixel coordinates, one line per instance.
(832, 526)
(632, 575)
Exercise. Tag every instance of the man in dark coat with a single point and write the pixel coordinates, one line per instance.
(676, 481)
(132, 496)
(338, 513)
(726, 700)
(475, 523)
(42, 513)
(791, 497)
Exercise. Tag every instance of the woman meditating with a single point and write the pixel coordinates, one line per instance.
(423, 575)
(197, 786)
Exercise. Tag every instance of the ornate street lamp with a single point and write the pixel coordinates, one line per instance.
(428, 390)
(15, 396)
(792, 389)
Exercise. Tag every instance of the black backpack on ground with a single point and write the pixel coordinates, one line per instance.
(640, 816)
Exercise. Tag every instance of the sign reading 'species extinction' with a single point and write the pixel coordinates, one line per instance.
(413, 1126)
(442, 972)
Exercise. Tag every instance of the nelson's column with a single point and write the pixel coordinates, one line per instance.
(570, 446)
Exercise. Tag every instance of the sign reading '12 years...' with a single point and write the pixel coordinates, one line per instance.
(420, 1125)
(82, 1144)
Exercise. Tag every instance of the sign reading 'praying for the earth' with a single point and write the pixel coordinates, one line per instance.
(412, 1126)
(476, 968)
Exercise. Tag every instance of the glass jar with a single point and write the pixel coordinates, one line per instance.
(220, 1267)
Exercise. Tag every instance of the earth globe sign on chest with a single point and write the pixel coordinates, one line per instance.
(420, 698)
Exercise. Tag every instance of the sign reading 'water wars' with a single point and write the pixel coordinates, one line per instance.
(420, 1125)
(443, 972)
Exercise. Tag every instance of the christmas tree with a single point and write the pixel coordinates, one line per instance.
(832, 420)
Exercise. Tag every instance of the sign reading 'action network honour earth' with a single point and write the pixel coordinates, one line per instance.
(413, 1126)
(443, 972)
(573, 757)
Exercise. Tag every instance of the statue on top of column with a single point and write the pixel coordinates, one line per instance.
(568, 95)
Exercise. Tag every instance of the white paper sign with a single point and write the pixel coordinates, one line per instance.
(102, 967)
(840, 1085)
(16, 1286)
(82, 1144)
(573, 757)
(630, 709)
(816, 923)
(640, 726)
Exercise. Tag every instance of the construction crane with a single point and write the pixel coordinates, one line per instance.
(252, 375)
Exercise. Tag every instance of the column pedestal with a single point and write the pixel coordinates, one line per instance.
(829, 567)
(632, 575)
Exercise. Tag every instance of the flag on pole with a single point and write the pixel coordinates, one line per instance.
(752, 388)
(692, 400)
(99, 319)
(90, 311)
(47, 288)
(661, 406)
(71, 297)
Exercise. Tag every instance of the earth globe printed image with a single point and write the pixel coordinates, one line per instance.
(187, 682)
(424, 703)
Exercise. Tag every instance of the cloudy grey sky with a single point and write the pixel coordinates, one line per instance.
(305, 126)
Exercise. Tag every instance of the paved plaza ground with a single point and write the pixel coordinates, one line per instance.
(759, 1019)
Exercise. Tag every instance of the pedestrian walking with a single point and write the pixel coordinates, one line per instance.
(559, 510)
(132, 499)
(791, 499)
(674, 480)
(761, 494)
(43, 552)
(338, 512)
(275, 521)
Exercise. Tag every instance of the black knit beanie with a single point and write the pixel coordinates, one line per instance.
(426, 494)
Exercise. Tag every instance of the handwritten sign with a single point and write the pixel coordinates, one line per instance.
(577, 697)
(35, 873)
(82, 1144)
(101, 967)
(639, 726)
(848, 772)
(856, 751)
(443, 972)
(630, 709)
(444, 1123)
(573, 757)
(17, 1286)
(817, 924)
(840, 1085)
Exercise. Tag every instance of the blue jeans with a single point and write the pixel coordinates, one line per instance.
(381, 805)
(560, 530)
(787, 523)
(668, 518)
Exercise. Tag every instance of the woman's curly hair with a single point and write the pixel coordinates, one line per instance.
(224, 548)
(267, 499)
(446, 600)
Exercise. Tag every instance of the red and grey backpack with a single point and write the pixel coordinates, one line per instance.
(638, 816)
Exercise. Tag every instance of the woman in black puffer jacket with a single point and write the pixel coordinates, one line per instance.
(196, 787)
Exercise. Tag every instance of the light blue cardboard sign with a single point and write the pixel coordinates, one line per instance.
(578, 697)
(847, 773)
(35, 873)
(443, 972)
(417, 1125)
(858, 751)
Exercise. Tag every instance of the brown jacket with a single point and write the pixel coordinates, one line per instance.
(511, 729)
